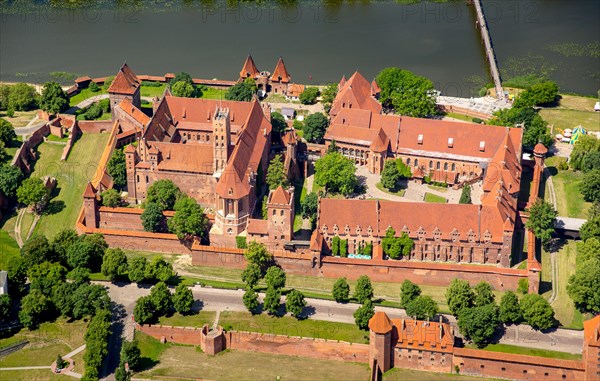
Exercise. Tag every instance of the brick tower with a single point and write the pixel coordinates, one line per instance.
(380, 341)
(222, 136)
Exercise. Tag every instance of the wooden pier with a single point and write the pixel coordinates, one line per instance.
(489, 48)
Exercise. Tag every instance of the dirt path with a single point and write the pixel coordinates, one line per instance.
(18, 227)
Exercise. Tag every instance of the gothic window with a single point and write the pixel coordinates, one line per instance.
(445, 166)
(437, 166)
(274, 212)
(416, 163)
(281, 213)
(408, 161)
(453, 167)
(430, 164)
(138, 178)
(146, 179)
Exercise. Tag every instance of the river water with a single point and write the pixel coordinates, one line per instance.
(319, 43)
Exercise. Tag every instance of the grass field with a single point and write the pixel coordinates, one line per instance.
(434, 198)
(8, 249)
(462, 117)
(31, 375)
(79, 363)
(399, 374)
(399, 193)
(211, 93)
(72, 176)
(153, 91)
(197, 320)
(20, 119)
(506, 348)
(26, 223)
(571, 112)
(45, 343)
(83, 95)
(569, 200)
(186, 362)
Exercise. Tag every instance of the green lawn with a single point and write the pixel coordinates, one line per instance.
(300, 193)
(54, 138)
(399, 374)
(506, 348)
(153, 91)
(571, 112)
(399, 193)
(433, 198)
(72, 176)
(437, 188)
(463, 117)
(569, 200)
(20, 118)
(83, 95)
(26, 223)
(197, 320)
(211, 93)
(8, 249)
(31, 375)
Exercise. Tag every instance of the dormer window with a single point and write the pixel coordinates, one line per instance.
(437, 234)
(421, 233)
(370, 230)
(450, 142)
(420, 139)
(455, 235)
(358, 230)
(230, 191)
(482, 146)
(347, 230)
(406, 230)
(487, 236)
(471, 235)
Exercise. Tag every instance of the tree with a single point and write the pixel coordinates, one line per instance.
(34, 309)
(131, 354)
(459, 295)
(523, 286)
(589, 249)
(22, 97)
(408, 292)
(87, 252)
(7, 132)
(183, 89)
(479, 323)
(275, 277)
(510, 311)
(53, 99)
(295, 303)
(189, 219)
(537, 312)
(161, 298)
(5, 305)
(329, 94)
(542, 216)
(309, 207)
(17, 274)
(152, 218)
(591, 161)
(343, 248)
(465, 195)
(182, 77)
(535, 127)
(242, 91)
(591, 228)
(276, 175)
(114, 264)
(117, 169)
(183, 299)
(314, 127)
(88, 299)
(251, 275)
(62, 298)
(111, 198)
(341, 290)
(538, 94)
(584, 285)
(364, 289)
(390, 175)
(332, 146)
(79, 275)
(61, 243)
(590, 185)
(406, 93)
(53, 271)
(278, 122)
(422, 308)
(272, 300)
(137, 269)
(143, 312)
(158, 269)
(37, 250)
(250, 299)
(309, 96)
(363, 314)
(396, 247)
(336, 173)
(585, 145)
(263, 209)
(33, 192)
(10, 179)
(164, 193)
(483, 294)
(335, 246)
(257, 253)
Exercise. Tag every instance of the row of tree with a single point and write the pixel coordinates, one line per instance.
(161, 302)
(24, 97)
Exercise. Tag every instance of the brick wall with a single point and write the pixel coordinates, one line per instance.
(23, 157)
(95, 126)
(180, 335)
(75, 132)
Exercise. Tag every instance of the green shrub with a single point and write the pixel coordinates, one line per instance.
(335, 246)
(94, 88)
(343, 248)
(104, 105)
(478, 121)
(240, 242)
(93, 112)
(151, 84)
(523, 287)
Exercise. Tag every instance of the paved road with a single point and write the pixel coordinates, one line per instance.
(231, 300)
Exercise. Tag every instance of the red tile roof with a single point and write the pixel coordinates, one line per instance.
(194, 158)
(354, 93)
(89, 192)
(422, 335)
(134, 112)
(258, 227)
(294, 90)
(280, 196)
(249, 69)
(380, 323)
(540, 149)
(381, 142)
(280, 74)
(591, 331)
(125, 82)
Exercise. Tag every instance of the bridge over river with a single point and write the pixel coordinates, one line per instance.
(489, 48)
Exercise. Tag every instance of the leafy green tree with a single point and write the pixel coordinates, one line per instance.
(329, 94)
(251, 275)
(4, 96)
(479, 323)
(88, 299)
(590, 185)
(272, 300)
(53, 99)
(257, 253)
(35, 308)
(422, 308)
(158, 269)
(542, 216)
(275, 277)
(332, 147)
(590, 229)
(37, 250)
(364, 289)
(5, 305)
(510, 311)
(341, 290)
(459, 295)
(111, 198)
(117, 168)
(61, 243)
(309, 96)
(10, 179)
(164, 193)
(276, 175)
(407, 93)
(587, 250)
(183, 89)
(131, 354)
(79, 275)
(278, 122)
(584, 285)
(309, 207)
(295, 303)
(182, 77)
(17, 274)
(94, 88)
(161, 298)
(137, 269)
(7, 132)
(183, 299)
(403, 170)
(114, 264)
(51, 270)
(242, 91)
(537, 312)
(363, 314)
(143, 312)
(483, 294)
(396, 247)
(22, 97)
(343, 248)
(538, 94)
(591, 161)
(121, 374)
(585, 146)
(263, 209)
(62, 298)
(314, 127)
(523, 287)
(465, 195)
(152, 218)
(189, 219)
(87, 252)
(336, 173)
(250, 299)
(33, 192)
(408, 292)
(390, 175)
(535, 127)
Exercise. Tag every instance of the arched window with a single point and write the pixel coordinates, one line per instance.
(437, 166)
(430, 164)
(416, 162)
(408, 161)
(445, 166)
(453, 167)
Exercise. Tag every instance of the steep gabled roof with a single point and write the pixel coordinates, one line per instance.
(381, 142)
(134, 112)
(280, 74)
(125, 82)
(591, 331)
(356, 92)
(89, 192)
(249, 69)
(280, 196)
(380, 323)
